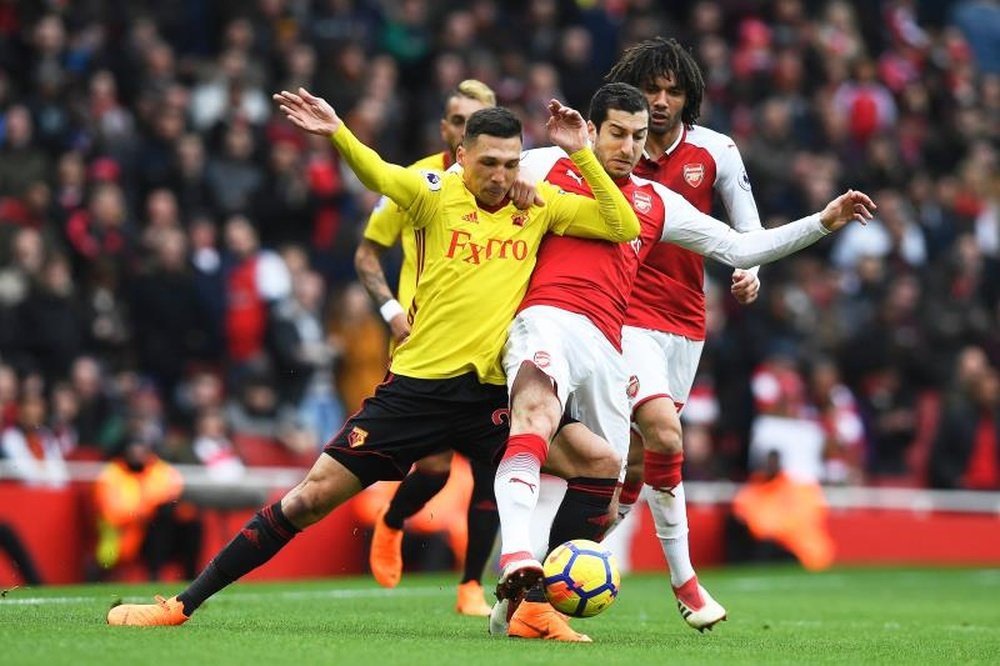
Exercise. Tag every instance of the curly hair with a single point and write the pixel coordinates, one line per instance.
(642, 63)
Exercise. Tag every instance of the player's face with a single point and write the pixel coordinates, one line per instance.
(490, 165)
(666, 102)
(456, 112)
(619, 142)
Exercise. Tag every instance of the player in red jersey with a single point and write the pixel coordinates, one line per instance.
(665, 326)
(564, 346)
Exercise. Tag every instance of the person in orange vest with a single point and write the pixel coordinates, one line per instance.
(139, 515)
(782, 514)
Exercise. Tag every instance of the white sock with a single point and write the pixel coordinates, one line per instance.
(550, 496)
(516, 487)
(670, 516)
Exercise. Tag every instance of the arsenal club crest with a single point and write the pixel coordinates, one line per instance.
(642, 201)
(632, 389)
(542, 359)
(694, 174)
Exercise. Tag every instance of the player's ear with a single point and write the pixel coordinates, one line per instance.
(460, 155)
(592, 132)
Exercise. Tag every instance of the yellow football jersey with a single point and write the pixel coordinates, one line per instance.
(473, 264)
(389, 222)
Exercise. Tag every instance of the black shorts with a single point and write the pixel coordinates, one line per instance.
(408, 419)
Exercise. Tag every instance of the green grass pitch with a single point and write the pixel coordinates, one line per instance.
(777, 615)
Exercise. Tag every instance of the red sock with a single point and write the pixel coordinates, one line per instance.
(662, 470)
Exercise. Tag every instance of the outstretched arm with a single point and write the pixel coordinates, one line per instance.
(692, 229)
(608, 216)
(314, 115)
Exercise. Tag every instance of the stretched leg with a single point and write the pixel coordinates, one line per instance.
(661, 432)
(483, 521)
(591, 468)
(327, 485)
(159, 540)
(428, 477)
(535, 414)
(10, 543)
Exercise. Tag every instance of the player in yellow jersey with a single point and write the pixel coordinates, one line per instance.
(446, 387)
(387, 224)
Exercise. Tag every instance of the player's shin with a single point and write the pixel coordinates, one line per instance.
(626, 502)
(666, 502)
(413, 493)
(263, 536)
(584, 512)
(516, 486)
(483, 520)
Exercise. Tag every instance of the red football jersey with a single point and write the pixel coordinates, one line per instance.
(669, 292)
(589, 277)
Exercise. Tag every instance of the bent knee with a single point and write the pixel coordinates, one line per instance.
(664, 437)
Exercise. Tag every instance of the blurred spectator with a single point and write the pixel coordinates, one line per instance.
(304, 357)
(101, 231)
(51, 322)
(8, 396)
(29, 447)
(21, 161)
(65, 407)
(256, 413)
(170, 330)
(139, 517)
(98, 423)
(254, 282)
(775, 513)
(233, 178)
(363, 340)
(966, 452)
(838, 414)
(213, 448)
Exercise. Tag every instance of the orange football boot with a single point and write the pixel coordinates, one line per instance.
(386, 555)
(471, 600)
(164, 613)
(538, 619)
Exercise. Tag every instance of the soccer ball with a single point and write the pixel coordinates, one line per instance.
(581, 578)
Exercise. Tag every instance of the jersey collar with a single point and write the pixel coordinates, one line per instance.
(672, 147)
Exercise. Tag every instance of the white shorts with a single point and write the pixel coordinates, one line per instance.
(664, 364)
(590, 375)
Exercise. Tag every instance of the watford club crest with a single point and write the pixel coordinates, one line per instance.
(357, 437)
(519, 219)
(694, 174)
(642, 201)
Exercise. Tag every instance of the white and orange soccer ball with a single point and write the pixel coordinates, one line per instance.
(581, 578)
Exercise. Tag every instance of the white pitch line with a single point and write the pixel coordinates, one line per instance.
(236, 595)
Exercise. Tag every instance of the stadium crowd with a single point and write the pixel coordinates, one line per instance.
(177, 260)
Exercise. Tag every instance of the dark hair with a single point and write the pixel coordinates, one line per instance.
(642, 63)
(494, 121)
(617, 96)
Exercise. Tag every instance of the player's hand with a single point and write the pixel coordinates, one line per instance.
(745, 287)
(851, 205)
(567, 128)
(524, 194)
(400, 328)
(308, 112)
